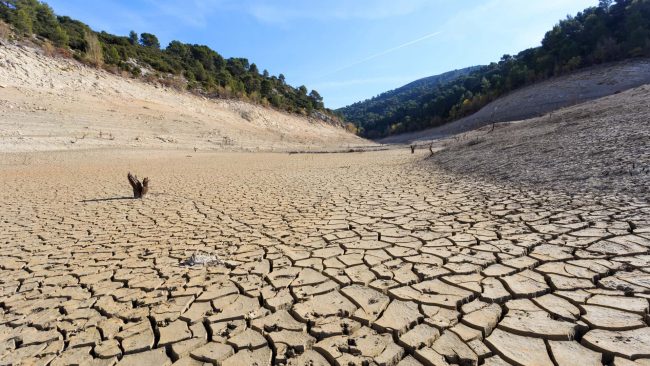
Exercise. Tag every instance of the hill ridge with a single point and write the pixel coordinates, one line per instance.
(612, 31)
(52, 103)
(183, 66)
(545, 97)
(414, 90)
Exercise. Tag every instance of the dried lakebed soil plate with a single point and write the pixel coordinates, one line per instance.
(341, 259)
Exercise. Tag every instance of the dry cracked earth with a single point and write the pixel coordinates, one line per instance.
(343, 259)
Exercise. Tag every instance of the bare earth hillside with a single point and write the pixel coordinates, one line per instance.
(602, 145)
(545, 97)
(58, 104)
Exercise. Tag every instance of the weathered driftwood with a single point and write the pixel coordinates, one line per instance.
(139, 189)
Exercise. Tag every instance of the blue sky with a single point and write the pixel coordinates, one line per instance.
(348, 50)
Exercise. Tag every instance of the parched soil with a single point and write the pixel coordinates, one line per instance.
(362, 258)
(601, 146)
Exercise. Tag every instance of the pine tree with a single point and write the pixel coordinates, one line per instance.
(133, 38)
(149, 40)
(23, 22)
(94, 53)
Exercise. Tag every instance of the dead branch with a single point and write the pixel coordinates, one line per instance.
(139, 189)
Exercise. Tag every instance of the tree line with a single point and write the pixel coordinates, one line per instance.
(189, 66)
(611, 31)
(387, 104)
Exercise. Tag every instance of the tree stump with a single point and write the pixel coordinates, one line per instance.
(139, 189)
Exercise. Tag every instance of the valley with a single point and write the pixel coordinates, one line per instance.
(170, 206)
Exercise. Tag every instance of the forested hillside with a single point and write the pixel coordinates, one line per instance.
(386, 104)
(187, 66)
(611, 31)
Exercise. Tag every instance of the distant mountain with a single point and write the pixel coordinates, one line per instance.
(367, 112)
(615, 30)
(543, 98)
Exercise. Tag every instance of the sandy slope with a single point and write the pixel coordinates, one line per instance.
(603, 145)
(57, 104)
(547, 96)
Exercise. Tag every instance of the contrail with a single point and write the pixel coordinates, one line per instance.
(383, 53)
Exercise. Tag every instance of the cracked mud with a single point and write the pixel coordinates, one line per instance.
(346, 259)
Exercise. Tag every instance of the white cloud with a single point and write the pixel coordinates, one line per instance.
(383, 53)
(193, 13)
(510, 18)
(337, 84)
(270, 12)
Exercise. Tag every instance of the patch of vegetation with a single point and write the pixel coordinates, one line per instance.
(389, 103)
(611, 31)
(189, 66)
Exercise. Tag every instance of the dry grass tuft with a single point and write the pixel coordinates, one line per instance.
(94, 54)
(48, 49)
(64, 52)
(174, 82)
(5, 30)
